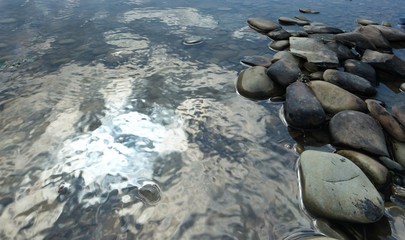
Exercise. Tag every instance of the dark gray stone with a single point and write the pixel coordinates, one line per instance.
(398, 110)
(342, 51)
(291, 21)
(365, 22)
(257, 60)
(375, 37)
(385, 62)
(310, 29)
(263, 25)
(279, 35)
(358, 130)
(308, 10)
(284, 72)
(279, 45)
(350, 82)
(302, 109)
(361, 69)
(355, 39)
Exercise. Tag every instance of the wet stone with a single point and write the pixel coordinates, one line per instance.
(279, 45)
(387, 121)
(279, 35)
(350, 82)
(335, 188)
(291, 21)
(255, 84)
(302, 109)
(284, 72)
(257, 60)
(335, 99)
(361, 69)
(385, 62)
(359, 131)
(398, 111)
(263, 25)
(192, 40)
(355, 39)
(342, 51)
(321, 29)
(398, 149)
(314, 51)
(308, 10)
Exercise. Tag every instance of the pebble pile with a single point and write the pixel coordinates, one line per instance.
(328, 78)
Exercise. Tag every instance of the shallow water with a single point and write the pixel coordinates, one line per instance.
(112, 128)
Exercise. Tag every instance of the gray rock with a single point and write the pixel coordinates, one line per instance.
(361, 69)
(316, 76)
(398, 149)
(314, 51)
(374, 170)
(335, 188)
(365, 22)
(263, 25)
(386, 24)
(355, 39)
(298, 33)
(308, 10)
(398, 111)
(279, 35)
(387, 121)
(284, 72)
(302, 18)
(402, 87)
(310, 29)
(385, 62)
(279, 45)
(342, 51)
(375, 37)
(302, 109)
(291, 21)
(391, 34)
(257, 60)
(390, 164)
(350, 82)
(335, 99)
(359, 131)
(286, 55)
(255, 84)
(310, 67)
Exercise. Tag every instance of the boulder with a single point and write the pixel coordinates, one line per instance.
(335, 188)
(279, 35)
(375, 37)
(358, 130)
(284, 72)
(398, 111)
(263, 25)
(310, 29)
(398, 149)
(391, 34)
(350, 82)
(335, 99)
(355, 39)
(385, 62)
(255, 84)
(361, 69)
(302, 109)
(342, 51)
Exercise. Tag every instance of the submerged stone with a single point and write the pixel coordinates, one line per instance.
(358, 130)
(302, 109)
(350, 82)
(291, 21)
(308, 10)
(314, 51)
(263, 25)
(335, 188)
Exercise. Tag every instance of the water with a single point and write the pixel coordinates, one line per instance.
(112, 128)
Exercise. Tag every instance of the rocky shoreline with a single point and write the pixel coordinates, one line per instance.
(328, 78)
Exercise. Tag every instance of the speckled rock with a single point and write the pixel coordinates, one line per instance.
(263, 25)
(302, 109)
(284, 72)
(350, 82)
(358, 130)
(387, 121)
(361, 69)
(335, 188)
(335, 99)
(374, 170)
(255, 84)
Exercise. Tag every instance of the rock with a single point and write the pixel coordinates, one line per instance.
(355, 39)
(390, 164)
(284, 72)
(358, 130)
(192, 40)
(302, 18)
(316, 76)
(375, 37)
(310, 67)
(391, 34)
(255, 84)
(323, 37)
(365, 22)
(386, 24)
(398, 111)
(298, 33)
(387, 121)
(335, 99)
(361, 69)
(286, 56)
(335, 188)
(374, 170)
(385, 62)
(398, 149)
(350, 82)
(279, 45)
(279, 35)
(302, 109)
(263, 25)
(402, 87)
(308, 10)
(314, 51)
(310, 29)
(291, 21)
(341, 51)
(257, 60)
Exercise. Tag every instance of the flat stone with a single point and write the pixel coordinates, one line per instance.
(335, 99)
(310, 29)
(350, 82)
(375, 37)
(387, 121)
(398, 111)
(284, 72)
(308, 10)
(335, 188)
(302, 109)
(279, 45)
(291, 21)
(314, 51)
(262, 25)
(359, 131)
(255, 84)
(316, 75)
(355, 39)
(361, 69)
(385, 62)
(374, 170)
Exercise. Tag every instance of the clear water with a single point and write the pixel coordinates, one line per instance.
(112, 128)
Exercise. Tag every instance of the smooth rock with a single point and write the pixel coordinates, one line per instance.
(335, 99)
(350, 82)
(391, 34)
(314, 51)
(255, 84)
(342, 51)
(390, 164)
(257, 60)
(316, 75)
(374, 170)
(358, 130)
(263, 25)
(375, 37)
(284, 72)
(398, 111)
(361, 69)
(308, 10)
(291, 21)
(286, 55)
(335, 188)
(298, 33)
(302, 18)
(279, 45)
(323, 37)
(302, 109)
(279, 35)
(310, 67)
(365, 22)
(402, 87)
(355, 39)
(387, 121)
(385, 62)
(398, 149)
(310, 29)
(386, 24)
